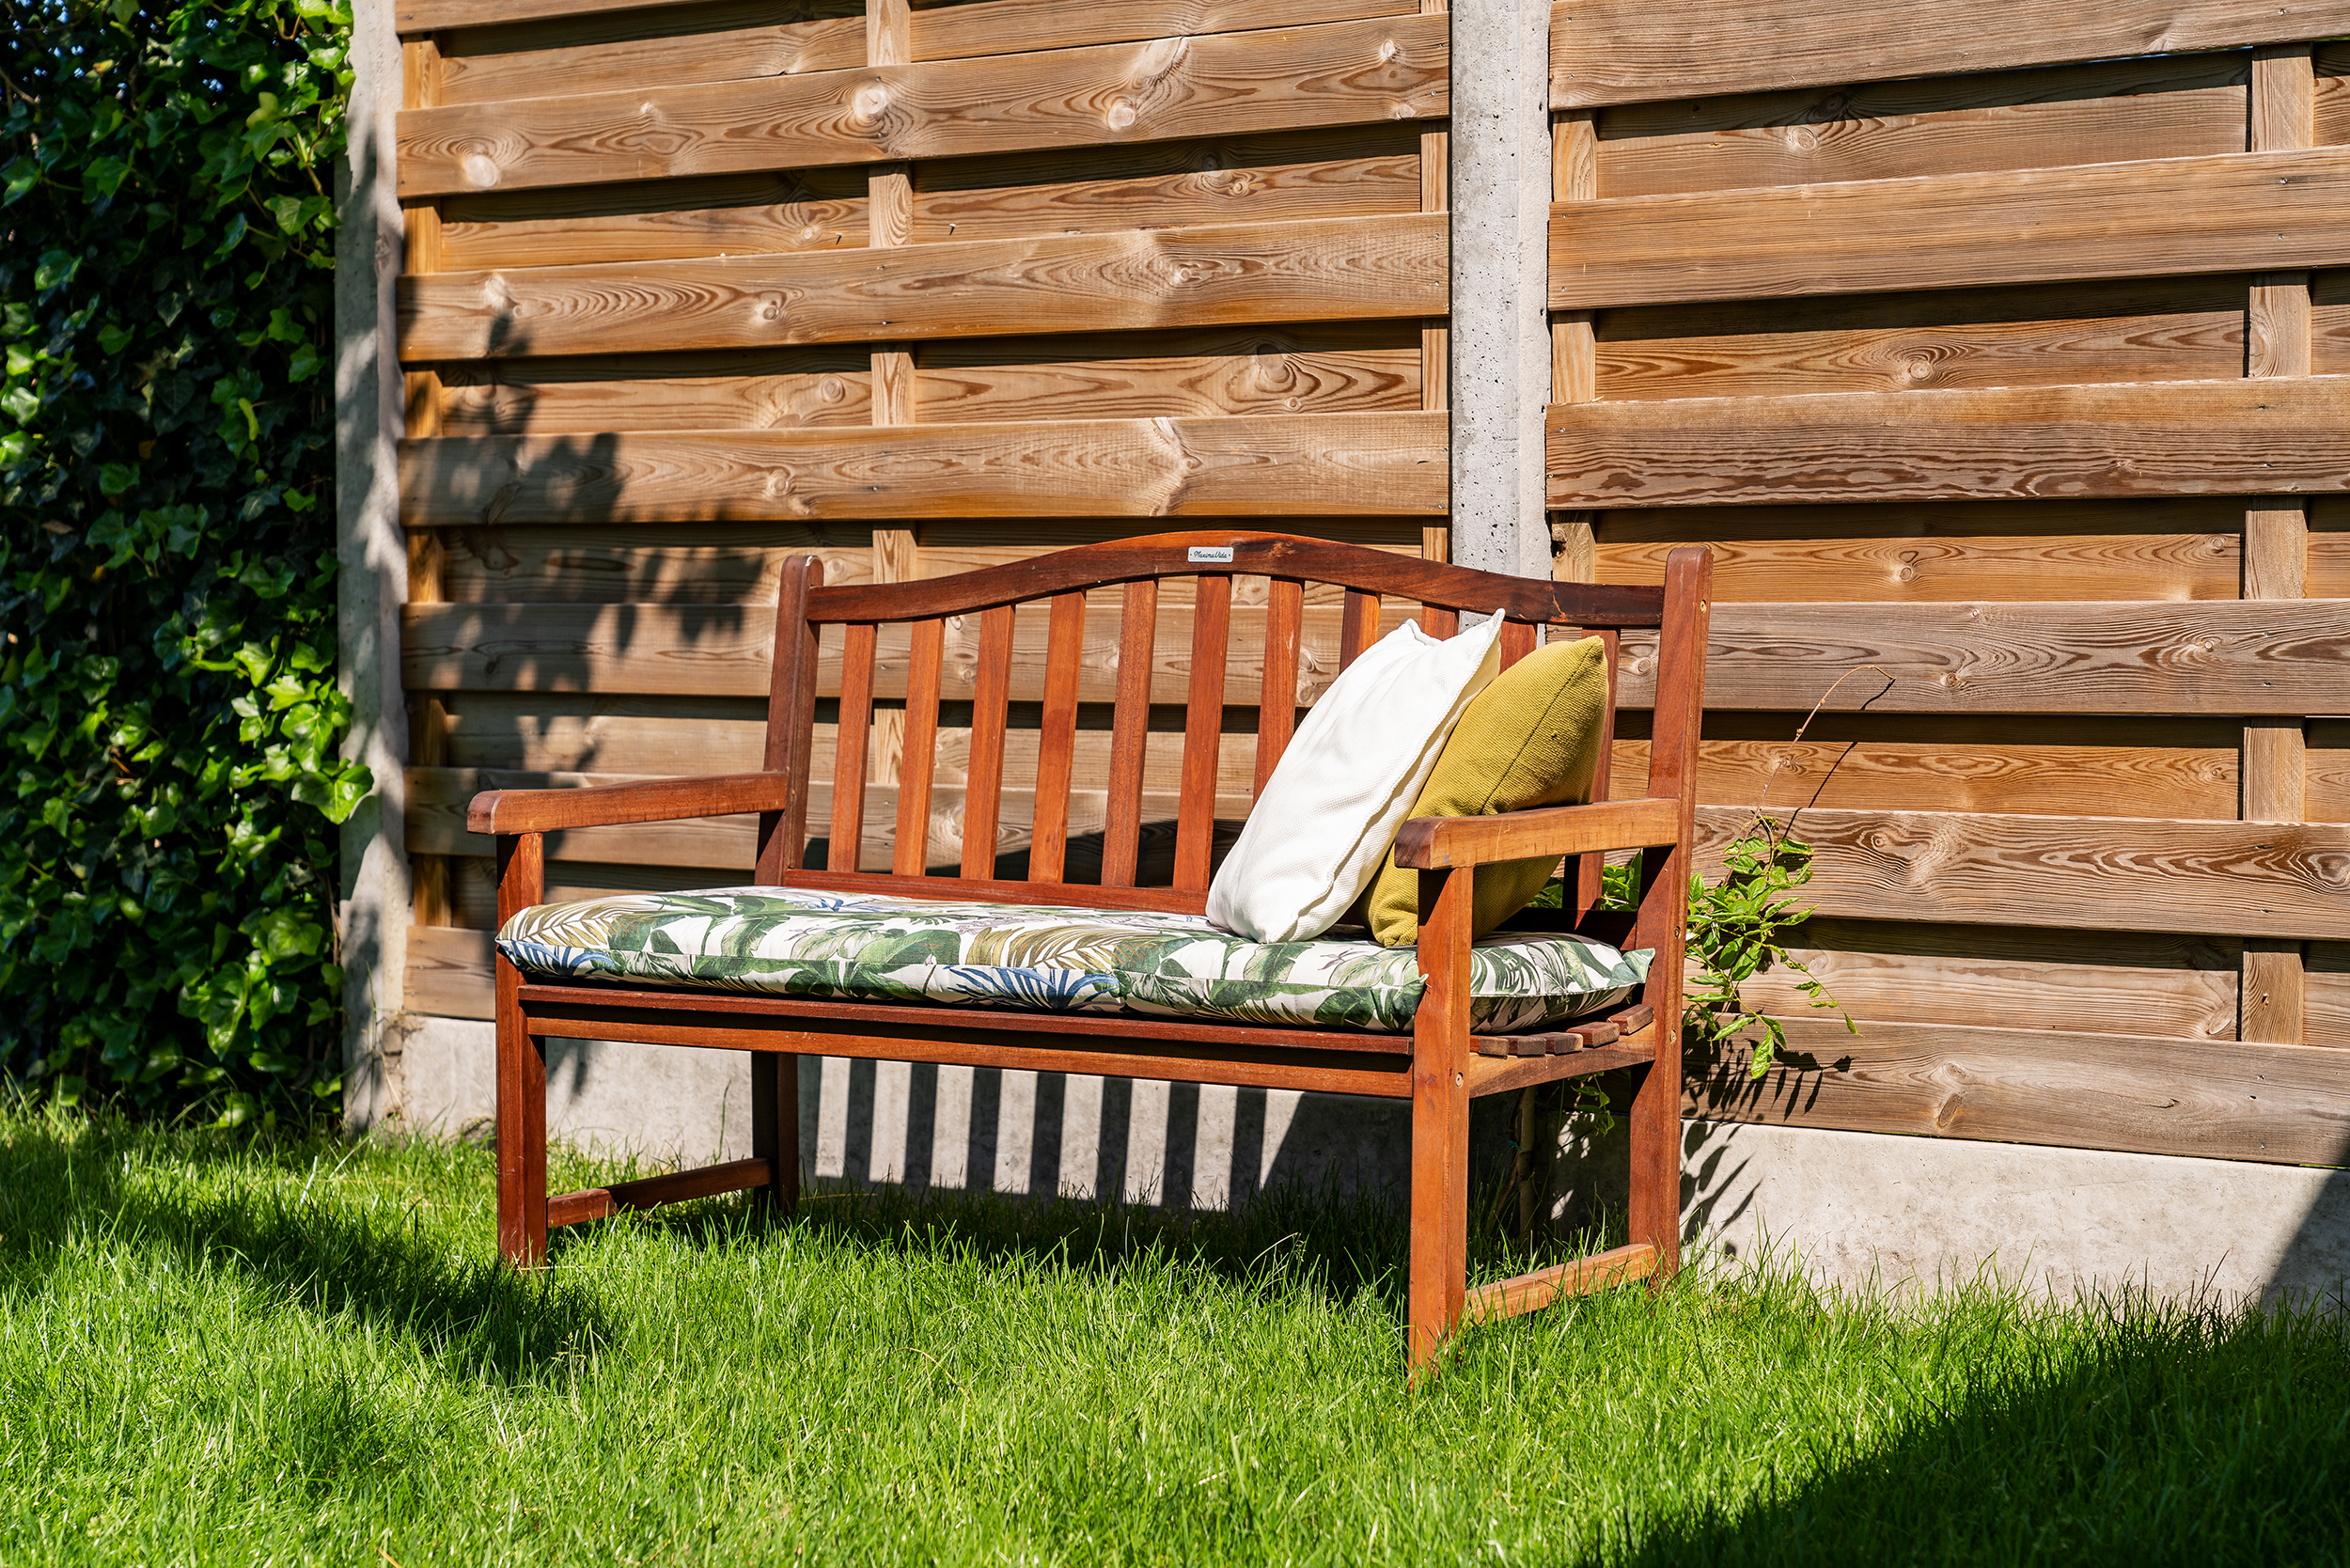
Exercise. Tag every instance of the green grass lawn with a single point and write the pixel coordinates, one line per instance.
(223, 1350)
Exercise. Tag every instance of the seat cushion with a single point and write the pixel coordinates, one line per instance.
(849, 947)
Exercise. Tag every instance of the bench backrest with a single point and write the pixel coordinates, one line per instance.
(861, 642)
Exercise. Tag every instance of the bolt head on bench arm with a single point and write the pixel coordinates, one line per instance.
(1443, 843)
(651, 800)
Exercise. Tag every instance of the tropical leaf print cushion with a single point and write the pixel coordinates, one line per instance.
(850, 947)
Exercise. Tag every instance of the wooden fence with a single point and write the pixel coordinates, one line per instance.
(2005, 388)
(2015, 399)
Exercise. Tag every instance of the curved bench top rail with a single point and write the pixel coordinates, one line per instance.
(1260, 555)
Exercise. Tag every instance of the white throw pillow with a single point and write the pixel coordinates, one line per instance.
(1331, 808)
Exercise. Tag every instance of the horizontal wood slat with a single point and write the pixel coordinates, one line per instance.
(2279, 436)
(1015, 26)
(2109, 873)
(1627, 51)
(2223, 656)
(431, 16)
(2287, 1105)
(449, 972)
(1258, 465)
(724, 42)
(2234, 212)
(1130, 280)
(1342, 73)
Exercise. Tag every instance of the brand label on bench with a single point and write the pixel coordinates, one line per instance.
(1210, 553)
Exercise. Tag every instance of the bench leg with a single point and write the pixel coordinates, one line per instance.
(1655, 1197)
(776, 1128)
(521, 1151)
(1440, 1118)
(1439, 1277)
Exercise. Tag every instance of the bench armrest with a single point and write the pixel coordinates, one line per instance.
(651, 800)
(1437, 843)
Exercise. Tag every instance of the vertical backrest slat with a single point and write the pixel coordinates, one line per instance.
(921, 748)
(1358, 625)
(853, 747)
(790, 719)
(1130, 728)
(1204, 733)
(1588, 874)
(1056, 740)
(1437, 622)
(1517, 641)
(1277, 702)
(983, 779)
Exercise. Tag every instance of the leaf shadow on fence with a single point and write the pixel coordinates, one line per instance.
(2234, 1423)
(232, 1216)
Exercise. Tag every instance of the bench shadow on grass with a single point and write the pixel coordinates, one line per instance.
(2143, 1433)
(473, 1313)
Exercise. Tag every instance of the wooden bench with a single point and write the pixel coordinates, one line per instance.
(1439, 1067)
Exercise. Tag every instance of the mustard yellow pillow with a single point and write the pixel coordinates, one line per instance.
(1531, 739)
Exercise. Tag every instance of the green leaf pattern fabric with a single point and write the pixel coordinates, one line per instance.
(799, 941)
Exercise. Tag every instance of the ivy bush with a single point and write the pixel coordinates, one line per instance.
(169, 719)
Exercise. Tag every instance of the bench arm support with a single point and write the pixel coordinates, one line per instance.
(1443, 843)
(651, 800)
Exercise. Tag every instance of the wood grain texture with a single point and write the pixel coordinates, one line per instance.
(1348, 72)
(2049, 335)
(2250, 210)
(758, 389)
(1531, 1292)
(1138, 624)
(2175, 548)
(2042, 767)
(1326, 368)
(449, 973)
(2166, 106)
(2153, 439)
(2111, 873)
(1624, 50)
(732, 214)
(675, 564)
(2091, 981)
(2284, 1104)
(2326, 995)
(2242, 657)
(589, 1203)
(1015, 26)
(1256, 466)
(427, 16)
(656, 800)
(1332, 172)
(1135, 280)
(727, 42)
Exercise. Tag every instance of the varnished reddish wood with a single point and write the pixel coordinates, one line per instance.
(1203, 731)
(1121, 838)
(1074, 895)
(1057, 740)
(776, 1129)
(653, 800)
(1589, 871)
(1440, 622)
(1430, 843)
(1531, 1292)
(984, 789)
(573, 1208)
(1604, 1030)
(920, 757)
(968, 1042)
(790, 718)
(1276, 711)
(1356, 567)
(1508, 1074)
(1517, 641)
(854, 747)
(1440, 1102)
(1655, 1118)
(522, 1072)
(550, 1000)
(1358, 625)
